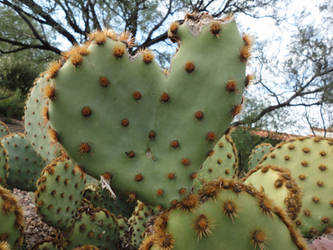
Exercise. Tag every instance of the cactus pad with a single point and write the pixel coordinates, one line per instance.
(25, 165)
(222, 162)
(59, 192)
(37, 126)
(257, 153)
(11, 217)
(3, 129)
(137, 223)
(123, 117)
(277, 184)
(95, 226)
(230, 216)
(309, 161)
(3, 166)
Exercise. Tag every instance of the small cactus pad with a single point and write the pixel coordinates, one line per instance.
(11, 218)
(59, 192)
(3, 166)
(3, 129)
(278, 185)
(222, 162)
(36, 123)
(257, 154)
(230, 216)
(309, 160)
(25, 165)
(150, 133)
(137, 223)
(94, 226)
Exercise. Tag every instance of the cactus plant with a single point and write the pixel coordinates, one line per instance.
(11, 217)
(59, 192)
(148, 131)
(212, 220)
(24, 163)
(137, 223)
(222, 162)
(95, 226)
(257, 153)
(3, 129)
(278, 184)
(3, 166)
(37, 127)
(309, 161)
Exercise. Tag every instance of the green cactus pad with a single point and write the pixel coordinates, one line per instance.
(95, 226)
(257, 154)
(230, 216)
(37, 126)
(309, 161)
(119, 115)
(137, 223)
(11, 218)
(3, 166)
(3, 129)
(25, 165)
(278, 185)
(222, 162)
(59, 192)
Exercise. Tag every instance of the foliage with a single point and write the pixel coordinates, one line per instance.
(245, 141)
(11, 103)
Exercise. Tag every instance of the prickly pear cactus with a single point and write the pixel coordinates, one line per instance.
(222, 162)
(227, 207)
(3, 166)
(257, 153)
(59, 192)
(37, 126)
(138, 223)
(11, 217)
(24, 163)
(279, 185)
(309, 161)
(122, 116)
(95, 226)
(3, 129)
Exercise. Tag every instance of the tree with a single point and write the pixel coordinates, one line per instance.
(302, 78)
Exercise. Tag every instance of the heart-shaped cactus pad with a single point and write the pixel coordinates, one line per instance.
(147, 129)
